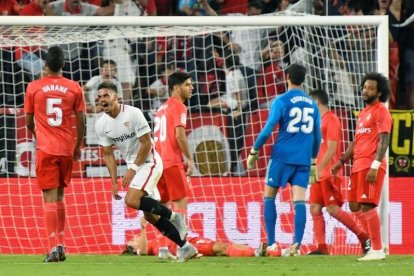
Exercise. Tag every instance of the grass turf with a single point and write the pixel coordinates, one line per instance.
(397, 265)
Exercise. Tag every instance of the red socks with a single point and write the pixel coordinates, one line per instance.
(374, 228)
(61, 217)
(239, 251)
(51, 221)
(349, 222)
(319, 228)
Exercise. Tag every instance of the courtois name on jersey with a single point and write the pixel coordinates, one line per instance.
(124, 137)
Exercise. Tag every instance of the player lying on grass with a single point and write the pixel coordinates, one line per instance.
(165, 249)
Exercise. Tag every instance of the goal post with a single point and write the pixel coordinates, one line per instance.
(226, 198)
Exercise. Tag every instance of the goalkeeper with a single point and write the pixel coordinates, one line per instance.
(326, 188)
(297, 143)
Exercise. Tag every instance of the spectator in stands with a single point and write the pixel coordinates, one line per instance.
(272, 80)
(269, 6)
(9, 7)
(71, 7)
(224, 7)
(36, 7)
(406, 42)
(108, 73)
(158, 90)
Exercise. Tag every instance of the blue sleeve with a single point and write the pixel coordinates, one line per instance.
(274, 116)
(317, 135)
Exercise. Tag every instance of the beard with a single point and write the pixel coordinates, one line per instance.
(370, 100)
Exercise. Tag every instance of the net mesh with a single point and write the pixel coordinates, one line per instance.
(226, 199)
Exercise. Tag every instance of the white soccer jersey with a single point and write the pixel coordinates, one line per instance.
(124, 131)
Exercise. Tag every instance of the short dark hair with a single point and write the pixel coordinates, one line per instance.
(320, 95)
(108, 85)
(383, 84)
(55, 58)
(108, 61)
(177, 78)
(256, 4)
(296, 73)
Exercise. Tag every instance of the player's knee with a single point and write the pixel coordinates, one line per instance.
(315, 209)
(354, 206)
(132, 202)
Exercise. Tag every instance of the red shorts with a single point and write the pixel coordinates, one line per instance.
(173, 184)
(53, 171)
(363, 192)
(327, 192)
(203, 245)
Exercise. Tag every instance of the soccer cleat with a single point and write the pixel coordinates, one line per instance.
(274, 250)
(373, 255)
(164, 254)
(261, 251)
(52, 257)
(186, 253)
(293, 250)
(61, 253)
(321, 250)
(179, 223)
(366, 246)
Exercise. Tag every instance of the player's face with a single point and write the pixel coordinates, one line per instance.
(186, 89)
(108, 71)
(370, 93)
(108, 100)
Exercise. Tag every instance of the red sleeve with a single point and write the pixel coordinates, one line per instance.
(333, 132)
(384, 120)
(180, 116)
(28, 102)
(151, 9)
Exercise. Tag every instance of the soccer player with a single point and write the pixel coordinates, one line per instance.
(372, 136)
(171, 142)
(140, 245)
(126, 127)
(51, 102)
(297, 143)
(326, 190)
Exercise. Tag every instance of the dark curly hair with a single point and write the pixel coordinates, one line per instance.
(383, 84)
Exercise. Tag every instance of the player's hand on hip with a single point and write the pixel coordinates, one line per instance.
(313, 176)
(189, 167)
(252, 158)
(129, 175)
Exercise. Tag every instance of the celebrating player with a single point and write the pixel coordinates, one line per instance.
(297, 143)
(51, 102)
(372, 136)
(126, 127)
(326, 191)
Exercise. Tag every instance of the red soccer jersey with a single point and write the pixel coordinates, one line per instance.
(32, 9)
(53, 101)
(373, 120)
(331, 131)
(169, 116)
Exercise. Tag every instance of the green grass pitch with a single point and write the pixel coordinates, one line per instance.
(395, 265)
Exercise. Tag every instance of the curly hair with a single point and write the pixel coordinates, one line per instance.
(383, 84)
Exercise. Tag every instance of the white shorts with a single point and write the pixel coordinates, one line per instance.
(147, 178)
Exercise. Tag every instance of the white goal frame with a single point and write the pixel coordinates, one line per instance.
(310, 20)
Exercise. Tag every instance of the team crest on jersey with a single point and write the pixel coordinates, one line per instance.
(127, 124)
(183, 118)
(368, 117)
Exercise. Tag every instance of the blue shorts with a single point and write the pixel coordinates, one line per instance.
(279, 174)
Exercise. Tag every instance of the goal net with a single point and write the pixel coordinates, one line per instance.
(237, 65)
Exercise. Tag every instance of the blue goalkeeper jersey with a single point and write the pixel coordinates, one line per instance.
(299, 128)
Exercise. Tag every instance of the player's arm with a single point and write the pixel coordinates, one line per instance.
(144, 149)
(384, 139)
(30, 124)
(142, 240)
(80, 130)
(329, 154)
(275, 113)
(183, 144)
(349, 153)
(110, 162)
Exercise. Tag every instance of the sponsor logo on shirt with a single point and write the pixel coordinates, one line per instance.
(124, 137)
(363, 130)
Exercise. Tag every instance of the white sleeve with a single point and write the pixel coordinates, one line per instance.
(103, 140)
(141, 125)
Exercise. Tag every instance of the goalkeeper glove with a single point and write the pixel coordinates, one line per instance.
(253, 156)
(313, 172)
